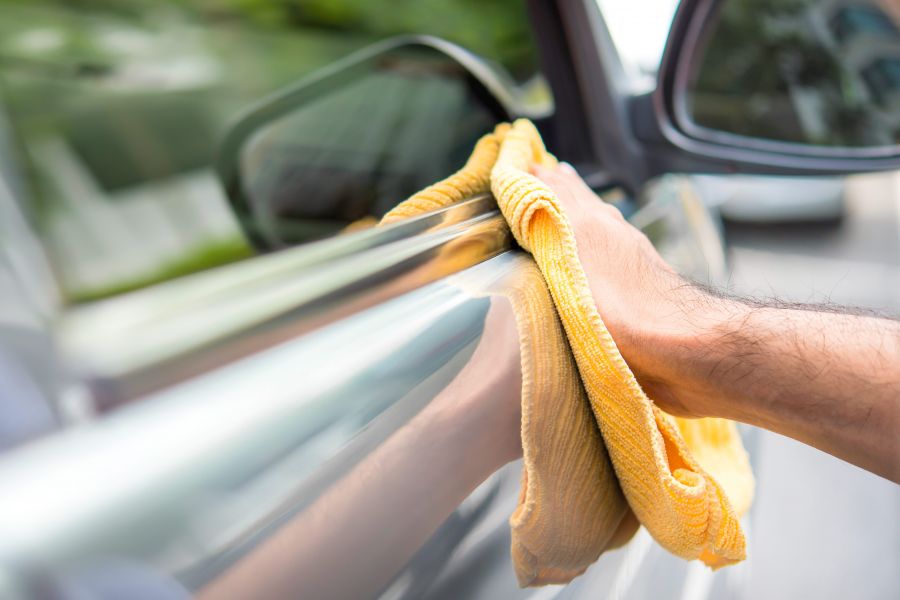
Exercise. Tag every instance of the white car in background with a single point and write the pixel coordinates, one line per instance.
(761, 199)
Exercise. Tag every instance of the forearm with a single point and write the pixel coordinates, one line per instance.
(828, 379)
(825, 378)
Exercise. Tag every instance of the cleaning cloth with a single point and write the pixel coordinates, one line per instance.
(687, 481)
(570, 507)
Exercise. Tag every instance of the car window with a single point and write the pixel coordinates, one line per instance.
(118, 108)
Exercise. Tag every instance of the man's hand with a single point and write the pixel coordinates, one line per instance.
(826, 376)
(644, 303)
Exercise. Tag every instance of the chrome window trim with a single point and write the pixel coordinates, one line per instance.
(186, 327)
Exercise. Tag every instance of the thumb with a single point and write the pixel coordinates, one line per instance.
(560, 183)
(575, 196)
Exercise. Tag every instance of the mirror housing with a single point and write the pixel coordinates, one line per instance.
(677, 143)
(355, 138)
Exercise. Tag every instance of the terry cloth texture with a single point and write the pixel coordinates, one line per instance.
(687, 481)
(570, 507)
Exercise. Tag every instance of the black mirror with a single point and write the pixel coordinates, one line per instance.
(356, 138)
(786, 85)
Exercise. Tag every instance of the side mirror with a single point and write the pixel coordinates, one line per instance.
(782, 86)
(357, 137)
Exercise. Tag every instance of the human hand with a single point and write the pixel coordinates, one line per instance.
(652, 313)
(822, 376)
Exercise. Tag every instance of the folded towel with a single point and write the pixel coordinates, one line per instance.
(686, 481)
(570, 508)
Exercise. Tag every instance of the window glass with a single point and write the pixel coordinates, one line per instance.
(800, 71)
(119, 106)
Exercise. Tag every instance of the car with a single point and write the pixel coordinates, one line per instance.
(767, 200)
(214, 379)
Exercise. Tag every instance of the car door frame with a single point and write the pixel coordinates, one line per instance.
(632, 138)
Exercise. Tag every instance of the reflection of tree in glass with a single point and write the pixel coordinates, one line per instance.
(765, 72)
(739, 86)
(497, 30)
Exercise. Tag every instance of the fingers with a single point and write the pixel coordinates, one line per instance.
(572, 191)
(571, 176)
(561, 185)
(567, 168)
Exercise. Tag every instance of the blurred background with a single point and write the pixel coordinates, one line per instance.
(118, 108)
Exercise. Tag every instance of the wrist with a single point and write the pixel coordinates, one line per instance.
(678, 352)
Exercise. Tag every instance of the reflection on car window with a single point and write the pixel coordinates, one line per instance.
(801, 71)
(119, 107)
(883, 78)
(407, 120)
(851, 21)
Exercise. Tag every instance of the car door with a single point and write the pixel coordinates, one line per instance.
(234, 426)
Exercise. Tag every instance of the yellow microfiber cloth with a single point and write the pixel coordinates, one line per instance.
(686, 481)
(570, 508)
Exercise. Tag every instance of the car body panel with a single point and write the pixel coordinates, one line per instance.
(193, 492)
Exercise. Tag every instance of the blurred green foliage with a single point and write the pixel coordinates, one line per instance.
(497, 30)
(136, 93)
